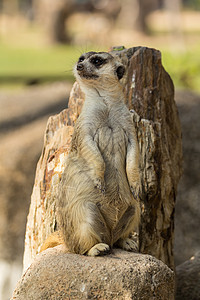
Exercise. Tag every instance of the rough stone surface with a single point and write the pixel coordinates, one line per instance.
(121, 275)
(188, 279)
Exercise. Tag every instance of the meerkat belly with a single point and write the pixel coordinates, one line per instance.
(112, 143)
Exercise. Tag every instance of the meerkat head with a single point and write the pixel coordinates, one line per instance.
(100, 70)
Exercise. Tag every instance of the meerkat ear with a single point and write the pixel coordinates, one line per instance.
(120, 72)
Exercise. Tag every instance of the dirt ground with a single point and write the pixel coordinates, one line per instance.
(187, 219)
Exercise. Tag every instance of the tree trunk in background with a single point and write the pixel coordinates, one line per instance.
(145, 8)
(174, 9)
(10, 6)
(54, 14)
(150, 92)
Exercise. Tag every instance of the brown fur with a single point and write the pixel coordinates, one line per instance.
(96, 206)
(53, 240)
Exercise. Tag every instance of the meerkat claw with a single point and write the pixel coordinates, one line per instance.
(128, 244)
(99, 249)
(103, 190)
(135, 194)
(100, 186)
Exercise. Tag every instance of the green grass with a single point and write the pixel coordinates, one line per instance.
(21, 65)
(184, 68)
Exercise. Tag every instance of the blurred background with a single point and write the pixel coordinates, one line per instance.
(40, 40)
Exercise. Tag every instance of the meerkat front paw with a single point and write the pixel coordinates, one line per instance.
(128, 244)
(100, 185)
(99, 249)
(135, 190)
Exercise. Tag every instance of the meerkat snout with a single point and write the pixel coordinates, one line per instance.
(80, 67)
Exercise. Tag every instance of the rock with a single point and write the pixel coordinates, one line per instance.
(121, 275)
(188, 279)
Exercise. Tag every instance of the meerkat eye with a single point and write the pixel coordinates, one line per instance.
(82, 58)
(97, 61)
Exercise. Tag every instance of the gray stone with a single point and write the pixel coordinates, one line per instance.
(56, 274)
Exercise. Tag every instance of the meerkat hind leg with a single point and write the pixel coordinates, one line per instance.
(123, 230)
(94, 235)
(128, 244)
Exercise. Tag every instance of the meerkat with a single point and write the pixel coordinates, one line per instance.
(98, 205)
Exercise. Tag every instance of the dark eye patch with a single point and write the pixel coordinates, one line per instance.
(82, 58)
(98, 61)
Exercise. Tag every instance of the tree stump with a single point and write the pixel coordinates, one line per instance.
(150, 96)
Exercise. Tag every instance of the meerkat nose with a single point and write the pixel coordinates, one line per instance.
(80, 67)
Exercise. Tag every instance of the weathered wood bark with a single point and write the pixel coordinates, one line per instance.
(150, 93)
(159, 136)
